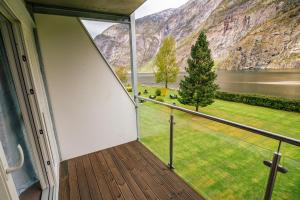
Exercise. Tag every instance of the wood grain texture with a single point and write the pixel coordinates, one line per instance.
(129, 171)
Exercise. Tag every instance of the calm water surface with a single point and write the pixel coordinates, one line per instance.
(271, 82)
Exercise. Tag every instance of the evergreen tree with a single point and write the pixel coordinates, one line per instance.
(165, 61)
(198, 88)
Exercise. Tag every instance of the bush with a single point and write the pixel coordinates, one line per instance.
(152, 96)
(157, 92)
(259, 100)
(160, 99)
(145, 91)
(129, 89)
(173, 96)
(122, 73)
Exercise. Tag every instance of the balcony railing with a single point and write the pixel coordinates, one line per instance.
(237, 164)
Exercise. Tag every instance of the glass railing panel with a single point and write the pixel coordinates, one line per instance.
(154, 129)
(277, 121)
(287, 185)
(219, 161)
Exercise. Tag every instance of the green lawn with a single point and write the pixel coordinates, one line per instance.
(223, 162)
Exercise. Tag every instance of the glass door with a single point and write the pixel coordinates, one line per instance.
(12, 131)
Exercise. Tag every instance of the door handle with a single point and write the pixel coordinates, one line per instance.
(20, 162)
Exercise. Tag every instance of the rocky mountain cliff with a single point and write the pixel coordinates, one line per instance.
(243, 34)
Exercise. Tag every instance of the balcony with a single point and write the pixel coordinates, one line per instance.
(240, 158)
(113, 146)
(128, 171)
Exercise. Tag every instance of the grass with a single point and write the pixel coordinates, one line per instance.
(223, 162)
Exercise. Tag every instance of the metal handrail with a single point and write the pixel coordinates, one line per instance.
(265, 133)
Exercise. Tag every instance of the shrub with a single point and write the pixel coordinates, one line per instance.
(264, 101)
(145, 91)
(157, 92)
(160, 99)
(139, 93)
(173, 96)
(152, 96)
(129, 89)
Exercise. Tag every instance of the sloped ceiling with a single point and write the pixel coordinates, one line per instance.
(123, 7)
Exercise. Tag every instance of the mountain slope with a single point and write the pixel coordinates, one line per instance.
(243, 34)
(275, 44)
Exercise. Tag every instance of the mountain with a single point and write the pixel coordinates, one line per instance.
(243, 34)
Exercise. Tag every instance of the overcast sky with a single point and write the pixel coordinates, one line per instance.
(149, 7)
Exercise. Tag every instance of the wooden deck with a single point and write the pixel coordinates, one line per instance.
(128, 171)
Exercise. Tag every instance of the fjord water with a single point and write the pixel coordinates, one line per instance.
(281, 83)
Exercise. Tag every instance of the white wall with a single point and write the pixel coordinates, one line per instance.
(92, 111)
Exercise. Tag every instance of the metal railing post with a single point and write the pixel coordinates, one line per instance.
(272, 176)
(134, 80)
(171, 140)
(275, 167)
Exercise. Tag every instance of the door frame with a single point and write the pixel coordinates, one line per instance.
(33, 119)
(7, 187)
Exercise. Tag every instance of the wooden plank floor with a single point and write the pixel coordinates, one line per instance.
(128, 171)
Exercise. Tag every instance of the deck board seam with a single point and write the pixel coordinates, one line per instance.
(86, 161)
(139, 185)
(101, 178)
(122, 196)
(77, 184)
(159, 181)
(95, 177)
(123, 175)
(90, 195)
(115, 178)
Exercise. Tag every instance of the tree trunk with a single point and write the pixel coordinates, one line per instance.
(197, 106)
(166, 84)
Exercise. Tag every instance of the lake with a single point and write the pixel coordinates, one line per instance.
(282, 83)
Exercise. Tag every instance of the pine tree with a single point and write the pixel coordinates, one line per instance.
(165, 61)
(198, 87)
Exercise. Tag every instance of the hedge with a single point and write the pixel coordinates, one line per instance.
(259, 100)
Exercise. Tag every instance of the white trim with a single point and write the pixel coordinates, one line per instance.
(35, 110)
(7, 187)
(16, 12)
(23, 105)
(45, 194)
(16, 9)
(44, 79)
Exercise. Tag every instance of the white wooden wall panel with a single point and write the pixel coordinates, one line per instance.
(92, 111)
